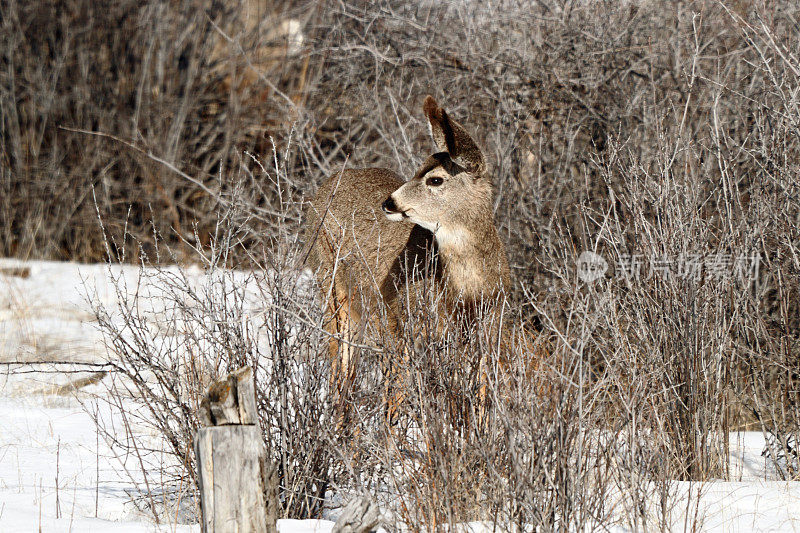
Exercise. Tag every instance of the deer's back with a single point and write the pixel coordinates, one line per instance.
(353, 240)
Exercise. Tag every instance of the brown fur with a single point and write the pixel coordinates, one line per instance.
(363, 258)
(359, 255)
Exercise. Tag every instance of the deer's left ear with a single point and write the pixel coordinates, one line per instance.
(449, 136)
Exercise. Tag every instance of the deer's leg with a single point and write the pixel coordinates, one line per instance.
(483, 378)
(341, 350)
(394, 391)
(332, 328)
(396, 367)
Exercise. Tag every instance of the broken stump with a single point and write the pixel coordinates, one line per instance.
(237, 482)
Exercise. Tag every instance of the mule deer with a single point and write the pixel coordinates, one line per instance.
(372, 232)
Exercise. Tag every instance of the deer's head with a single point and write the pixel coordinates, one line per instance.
(451, 188)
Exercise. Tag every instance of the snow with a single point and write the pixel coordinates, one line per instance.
(93, 490)
(42, 440)
(46, 317)
(748, 506)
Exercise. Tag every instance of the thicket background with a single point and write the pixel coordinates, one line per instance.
(660, 129)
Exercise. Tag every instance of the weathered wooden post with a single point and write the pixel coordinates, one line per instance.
(237, 482)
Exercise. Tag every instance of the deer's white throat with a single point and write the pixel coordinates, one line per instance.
(452, 238)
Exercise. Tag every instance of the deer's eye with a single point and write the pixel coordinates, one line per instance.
(434, 182)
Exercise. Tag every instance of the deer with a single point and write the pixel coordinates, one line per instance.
(372, 232)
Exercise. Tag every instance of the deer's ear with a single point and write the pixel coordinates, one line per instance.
(449, 136)
(439, 126)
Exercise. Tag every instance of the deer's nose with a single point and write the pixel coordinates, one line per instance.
(388, 206)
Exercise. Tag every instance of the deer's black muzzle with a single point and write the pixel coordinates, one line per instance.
(389, 207)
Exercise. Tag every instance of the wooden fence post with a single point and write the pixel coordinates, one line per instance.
(237, 482)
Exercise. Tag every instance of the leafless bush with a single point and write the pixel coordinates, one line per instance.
(175, 330)
(534, 452)
(663, 131)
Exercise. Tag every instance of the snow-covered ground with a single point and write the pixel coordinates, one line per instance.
(56, 474)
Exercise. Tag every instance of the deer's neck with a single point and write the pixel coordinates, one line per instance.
(474, 262)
